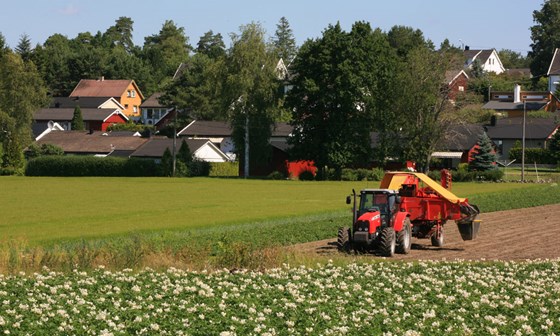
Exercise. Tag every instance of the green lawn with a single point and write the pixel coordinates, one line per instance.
(43, 209)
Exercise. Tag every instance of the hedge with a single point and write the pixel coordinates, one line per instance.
(224, 169)
(90, 166)
(538, 155)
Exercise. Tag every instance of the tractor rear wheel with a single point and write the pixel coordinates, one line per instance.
(387, 242)
(437, 238)
(404, 241)
(343, 240)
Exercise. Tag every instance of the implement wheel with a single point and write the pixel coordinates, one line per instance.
(437, 237)
(343, 240)
(404, 241)
(387, 242)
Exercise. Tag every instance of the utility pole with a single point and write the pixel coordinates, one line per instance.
(174, 143)
(523, 142)
(246, 166)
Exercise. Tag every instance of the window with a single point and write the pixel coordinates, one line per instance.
(135, 109)
(150, 114)
(133, 93)
(128, 93)
(461, 88)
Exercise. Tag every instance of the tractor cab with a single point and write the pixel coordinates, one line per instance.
(383, 200)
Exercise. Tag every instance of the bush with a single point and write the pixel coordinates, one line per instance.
(224, 169)
(538, 155)
(349, 175)
(376, 174)
(306, 175)
(327, 174)
(199, 168)
(493, 175)
(435, 175)
(276, 175)
(89, 166)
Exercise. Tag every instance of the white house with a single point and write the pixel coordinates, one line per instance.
(488, 59)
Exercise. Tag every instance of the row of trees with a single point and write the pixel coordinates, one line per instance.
(345, 83)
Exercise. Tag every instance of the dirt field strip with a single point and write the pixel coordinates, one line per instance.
(530, 233)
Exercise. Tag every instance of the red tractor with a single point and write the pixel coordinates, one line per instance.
(406, 205)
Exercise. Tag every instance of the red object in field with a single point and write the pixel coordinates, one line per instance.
(295, 168)
(406, 205)
(445, 178)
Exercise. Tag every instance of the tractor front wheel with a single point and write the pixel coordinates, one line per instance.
(343, 240)
(437, 237)
(387, 242)
(404, 241)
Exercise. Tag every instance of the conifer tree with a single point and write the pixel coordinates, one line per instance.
(484, 156)
(77, 120)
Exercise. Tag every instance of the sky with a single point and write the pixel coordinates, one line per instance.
(480, 24)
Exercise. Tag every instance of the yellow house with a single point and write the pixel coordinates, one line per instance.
(125, 91)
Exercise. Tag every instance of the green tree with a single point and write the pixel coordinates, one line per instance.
(251, 92)
(211, 45)
(52, 60)
(3, 45)
(545, 35)
(341, 92)
(199, 89)
(167, 49)
(166, 165)
(484, 157)
(184, 154)
(34, 150)
(24, 48)
(554, 146)
(404, 39)
(121, 34)
(421, 104)
(513, 60)
(284, 41)
(77, 119)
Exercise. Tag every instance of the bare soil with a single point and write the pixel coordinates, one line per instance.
(530, 233)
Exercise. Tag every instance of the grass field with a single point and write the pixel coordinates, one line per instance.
(50, 209)
(161, 222)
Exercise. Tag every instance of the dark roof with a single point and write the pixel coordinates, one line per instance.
(155, 147)
(554, 68)
(66, 114)
(83, 102)
(512, 128)
(153, 101)
(481, 55)
(502, 106)
(519, 73)
(280, 144)
(460, 137)
(203, 129)
(90, 143)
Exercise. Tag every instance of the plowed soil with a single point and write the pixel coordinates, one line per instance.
(530, 233)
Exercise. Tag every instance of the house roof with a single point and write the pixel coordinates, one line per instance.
(153, 101)
(103, 88)
(66, 114)
(83, 102)
(502, 106)
(201, 129)
(155, 147)
(90, 143)
(461, 137)
(451, 75)
(481, 54)
(512, 128)
(554, 68)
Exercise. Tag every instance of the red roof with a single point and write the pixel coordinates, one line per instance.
(102, 88)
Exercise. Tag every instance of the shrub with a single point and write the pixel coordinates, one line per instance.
(224, 169)
(199, 168)
(435, 175)
(494, 175)
(276, 175)
(306, 175)
(376, 174)
(538, 155)
(349, 175)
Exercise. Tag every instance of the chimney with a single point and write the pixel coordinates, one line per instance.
(517, 93)
(467, 47)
